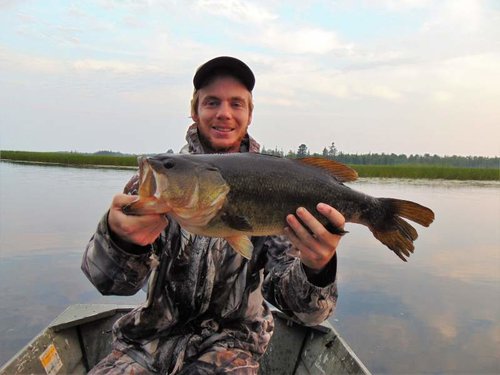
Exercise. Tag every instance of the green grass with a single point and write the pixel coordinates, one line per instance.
(389, 171)
(69, 158)
(429, 172)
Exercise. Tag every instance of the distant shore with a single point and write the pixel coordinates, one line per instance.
(75, 159)
(71, 165)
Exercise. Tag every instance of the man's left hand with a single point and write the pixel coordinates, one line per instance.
(316, 244)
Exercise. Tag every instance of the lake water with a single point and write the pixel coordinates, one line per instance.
(438, 313)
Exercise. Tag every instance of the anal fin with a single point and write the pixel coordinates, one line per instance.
(242, 245)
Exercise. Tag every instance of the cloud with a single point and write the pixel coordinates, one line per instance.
(457, 16)
(25, 18)
(404, 5)
(300, 41)
(26, 63)
(119, 67)
(133, 4)
(441, 96)
(30, 26)
(6, 4)
(442, 69)
(236, 10)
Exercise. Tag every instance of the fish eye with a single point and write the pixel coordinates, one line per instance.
(168, 164)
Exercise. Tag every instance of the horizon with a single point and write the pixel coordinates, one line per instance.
(312, 152)
(403, 77)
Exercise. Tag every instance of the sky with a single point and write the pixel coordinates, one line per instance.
(392, 76)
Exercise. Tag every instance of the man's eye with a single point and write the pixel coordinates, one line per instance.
(237, 104)
(211, 103)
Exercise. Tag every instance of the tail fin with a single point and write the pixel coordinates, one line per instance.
(396, 233)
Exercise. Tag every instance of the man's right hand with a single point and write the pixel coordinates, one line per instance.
(140, 230)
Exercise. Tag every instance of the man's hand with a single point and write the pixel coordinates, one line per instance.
(140, 230)
(316, 244)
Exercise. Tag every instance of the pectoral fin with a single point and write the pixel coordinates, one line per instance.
(242, 245)
(237, 222)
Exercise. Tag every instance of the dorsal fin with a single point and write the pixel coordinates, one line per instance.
(340, 171)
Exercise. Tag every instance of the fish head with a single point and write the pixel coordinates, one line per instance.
(192, 189)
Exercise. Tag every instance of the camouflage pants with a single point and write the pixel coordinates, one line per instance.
(216, 361)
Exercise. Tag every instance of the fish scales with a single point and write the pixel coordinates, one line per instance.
(269, 190)
(239, 195)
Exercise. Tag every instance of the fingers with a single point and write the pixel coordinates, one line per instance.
(150, 231)
(334, 217)
(316, 244)
(141, 230)
(301, 232)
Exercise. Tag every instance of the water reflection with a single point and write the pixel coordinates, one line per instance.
(50, 207)
(47, 215)
(438, 313)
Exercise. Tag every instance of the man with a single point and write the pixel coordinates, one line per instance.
(205, 312)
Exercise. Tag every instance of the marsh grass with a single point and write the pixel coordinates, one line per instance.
(429, 172)
(381, 171)
(70, 158)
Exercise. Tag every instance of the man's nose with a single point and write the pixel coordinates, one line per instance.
(224, 111)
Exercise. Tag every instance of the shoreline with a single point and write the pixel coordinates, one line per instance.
(70, 165)
(366, 169)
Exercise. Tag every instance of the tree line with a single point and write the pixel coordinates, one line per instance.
(332, 152)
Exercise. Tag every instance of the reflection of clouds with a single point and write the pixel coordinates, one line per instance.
(438, 312)
(26, 243)
(463, 241)
(66, 216)
(390, 338)
(464, 265)
(421, 340)
(488, 340)
(415, 316)
(445, 324)
(36, 288)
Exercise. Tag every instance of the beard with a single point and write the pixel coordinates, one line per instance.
(209, 148)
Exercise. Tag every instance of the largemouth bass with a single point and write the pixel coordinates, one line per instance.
(238, 195)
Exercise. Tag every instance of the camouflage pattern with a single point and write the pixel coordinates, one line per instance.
(205, 311)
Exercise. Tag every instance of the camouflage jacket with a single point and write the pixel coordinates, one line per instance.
(202, 293)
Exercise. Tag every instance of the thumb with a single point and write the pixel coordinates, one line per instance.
(120, 200)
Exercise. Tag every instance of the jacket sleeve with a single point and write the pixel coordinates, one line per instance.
(288, 287)
(111, 269)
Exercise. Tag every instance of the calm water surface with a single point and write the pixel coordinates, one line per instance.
(438, 313)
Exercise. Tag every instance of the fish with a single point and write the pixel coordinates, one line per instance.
(239, 195)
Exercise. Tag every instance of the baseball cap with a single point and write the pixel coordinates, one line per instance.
(231, 65)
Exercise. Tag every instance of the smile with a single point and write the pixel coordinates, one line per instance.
(222, 129)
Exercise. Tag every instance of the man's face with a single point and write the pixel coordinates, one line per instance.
(223, 114)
